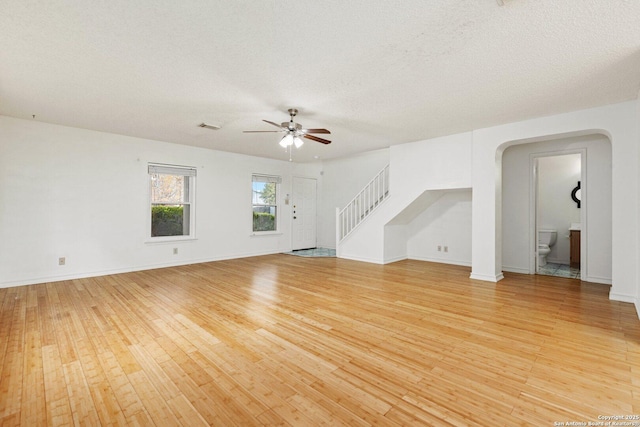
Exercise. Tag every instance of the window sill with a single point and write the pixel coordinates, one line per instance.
(266, 233)
(169, 239)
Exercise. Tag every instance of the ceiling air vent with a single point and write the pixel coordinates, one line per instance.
(204, 125)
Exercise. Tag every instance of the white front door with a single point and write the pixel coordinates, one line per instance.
(303, 213)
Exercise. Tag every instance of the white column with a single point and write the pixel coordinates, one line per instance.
(486, 220)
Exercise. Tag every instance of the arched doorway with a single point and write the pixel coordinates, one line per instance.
(521, 220)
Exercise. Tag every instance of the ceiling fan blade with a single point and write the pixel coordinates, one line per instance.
(315, 138)
(261, 131)
(272, 123)
(315, 131)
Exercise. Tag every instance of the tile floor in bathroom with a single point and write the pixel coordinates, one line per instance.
(559, 270)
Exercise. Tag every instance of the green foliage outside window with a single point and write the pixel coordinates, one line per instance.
(167, 221)
(263, 221)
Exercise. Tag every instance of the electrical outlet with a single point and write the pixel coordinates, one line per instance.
(439, 248)
(175, 251)
(62, 260)
(446, 248)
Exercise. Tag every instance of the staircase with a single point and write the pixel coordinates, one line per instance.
(361, 206)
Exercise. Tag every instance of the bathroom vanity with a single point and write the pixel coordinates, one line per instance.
(574, 246)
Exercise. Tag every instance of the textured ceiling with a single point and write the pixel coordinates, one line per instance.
(376, 73)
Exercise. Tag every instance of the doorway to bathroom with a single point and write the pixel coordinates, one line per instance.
(519, 199)
(559, 208)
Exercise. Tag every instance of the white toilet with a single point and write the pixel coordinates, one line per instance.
(546, 239)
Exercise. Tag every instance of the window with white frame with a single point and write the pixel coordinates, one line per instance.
(172, 195)
(264, 196)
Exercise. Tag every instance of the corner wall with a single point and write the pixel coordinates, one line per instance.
(442, 233)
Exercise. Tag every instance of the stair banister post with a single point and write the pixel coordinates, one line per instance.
(384, 181)
(338, 230)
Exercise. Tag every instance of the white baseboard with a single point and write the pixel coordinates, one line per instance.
(595, 279)
(86, 274)
(441, 260)
(626, 298)
(361, 259)
(394, 259)
(516, 270)
(486, 277)
(623, 298)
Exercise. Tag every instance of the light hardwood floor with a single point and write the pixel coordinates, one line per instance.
(285, 340)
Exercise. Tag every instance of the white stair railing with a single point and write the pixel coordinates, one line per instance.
(361, 206)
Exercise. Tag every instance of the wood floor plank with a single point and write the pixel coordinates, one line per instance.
(82, 404)
(128, 400)
(406, 414)
(14, 334)
(542, 407)
(186, 413)
(55, 388)
(285, 340)
(154, 372)
(7, 302)
(197, 397)
(230, 391)
(33, 409)
(293, 377)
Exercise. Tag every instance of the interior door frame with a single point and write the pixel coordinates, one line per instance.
(533, 206)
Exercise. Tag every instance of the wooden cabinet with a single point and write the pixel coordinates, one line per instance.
(574, 251)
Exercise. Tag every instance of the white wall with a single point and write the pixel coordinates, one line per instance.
(395, 243)
(446, 223)
(557, 177)
(342, 180)
(433, 164)
(558, 211)
(84, 195)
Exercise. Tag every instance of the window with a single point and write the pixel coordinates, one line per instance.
(172, 201)
(265, 202)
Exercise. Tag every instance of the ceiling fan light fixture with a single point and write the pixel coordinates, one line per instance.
(286, 141)
(298, 141)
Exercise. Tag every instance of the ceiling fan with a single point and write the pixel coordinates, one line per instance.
(294, 132)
